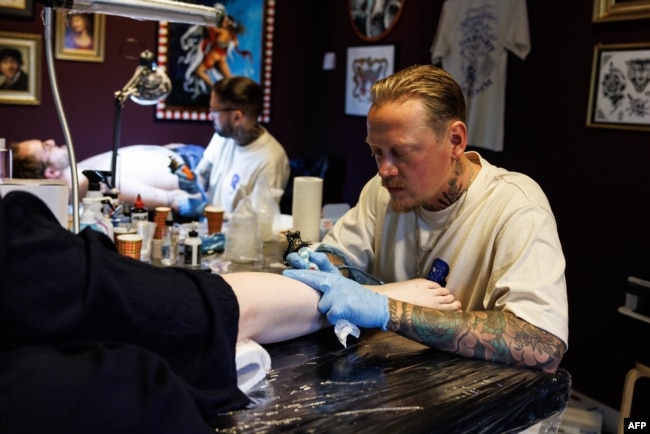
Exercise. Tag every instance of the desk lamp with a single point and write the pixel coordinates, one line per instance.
(148, 85)
(157, 10)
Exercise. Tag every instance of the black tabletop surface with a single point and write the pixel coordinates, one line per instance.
(383, 383)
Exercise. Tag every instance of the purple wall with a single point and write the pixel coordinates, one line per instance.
(596, 179)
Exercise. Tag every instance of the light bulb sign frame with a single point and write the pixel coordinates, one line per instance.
(195, 56)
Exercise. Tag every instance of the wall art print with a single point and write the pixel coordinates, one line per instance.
(365, 65)
(80, 37)
(20, 70)
(620, 87)
(194, 57)
(372, 20)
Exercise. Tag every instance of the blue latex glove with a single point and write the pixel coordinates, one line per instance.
(213, 243)
(296, 260)
(185, 184)
(191, 207)
(345, 299)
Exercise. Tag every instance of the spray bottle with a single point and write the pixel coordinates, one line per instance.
(93, 217)
(93, 205)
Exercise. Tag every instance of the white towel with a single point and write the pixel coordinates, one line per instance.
(253, 362)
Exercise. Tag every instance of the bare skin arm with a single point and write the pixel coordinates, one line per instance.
(420, 292)
(493, 336)
(274, 308)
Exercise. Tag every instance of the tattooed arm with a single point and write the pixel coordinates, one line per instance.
(486, 335)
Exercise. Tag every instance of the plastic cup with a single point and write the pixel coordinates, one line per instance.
(130, 245)
(121, 230)
(159, 217)
(146, 229)
(214, 216)
(5, 163)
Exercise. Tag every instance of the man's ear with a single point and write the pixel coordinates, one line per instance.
(51, 173)
(458, 138)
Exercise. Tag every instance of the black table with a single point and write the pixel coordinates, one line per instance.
(384, 383)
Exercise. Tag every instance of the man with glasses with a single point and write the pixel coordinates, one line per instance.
(240, 154)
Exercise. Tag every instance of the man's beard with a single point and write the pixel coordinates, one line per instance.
(401, 206)
(226, 131)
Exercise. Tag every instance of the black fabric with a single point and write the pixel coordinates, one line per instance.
(93, 341)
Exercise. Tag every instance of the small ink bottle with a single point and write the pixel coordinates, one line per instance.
(193, 247)
(168, 256)
(139, 212)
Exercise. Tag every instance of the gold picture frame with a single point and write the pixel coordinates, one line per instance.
(26, 48)
(619, 10)
(17, 8)
(619, 87)
(80, 36)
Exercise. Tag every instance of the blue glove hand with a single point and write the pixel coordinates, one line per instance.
(345, 299)
(296, 260)
(186, 184)
(191, 207)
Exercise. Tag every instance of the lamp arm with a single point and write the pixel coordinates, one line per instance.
(156, 10)
(74, 175)
(130, 87)
(121, 96)
(117, 119)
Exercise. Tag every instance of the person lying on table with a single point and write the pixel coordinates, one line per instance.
(141, 169)
(92, 341)
(434, 211)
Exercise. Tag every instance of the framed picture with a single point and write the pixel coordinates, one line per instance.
(373, 20)
(80, 37)
(17, 8)
(365, 65)
(619, 10)
(620, 87)
(195, 56)
(20, 68)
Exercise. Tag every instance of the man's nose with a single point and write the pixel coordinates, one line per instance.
(386, 168)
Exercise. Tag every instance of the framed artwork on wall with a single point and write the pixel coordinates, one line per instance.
(364, 66)
(80, 37)
(372, 20)
(20, 68)
(620, 87)
(195, 56)
(619, 10)
(17, 8)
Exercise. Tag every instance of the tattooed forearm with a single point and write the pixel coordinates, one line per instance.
(487, 335)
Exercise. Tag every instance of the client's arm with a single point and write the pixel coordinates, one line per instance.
(497, 336)
(274, 308)
(420, 292)
(152, 195)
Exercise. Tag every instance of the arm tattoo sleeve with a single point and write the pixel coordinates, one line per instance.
(487, 335)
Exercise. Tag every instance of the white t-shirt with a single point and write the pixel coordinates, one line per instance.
(233, 170)
(502, 245)
(472, 42)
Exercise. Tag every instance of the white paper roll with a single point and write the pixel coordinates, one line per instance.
(306, 206)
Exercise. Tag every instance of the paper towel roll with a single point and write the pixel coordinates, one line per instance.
(253, 363)
(306, 206)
